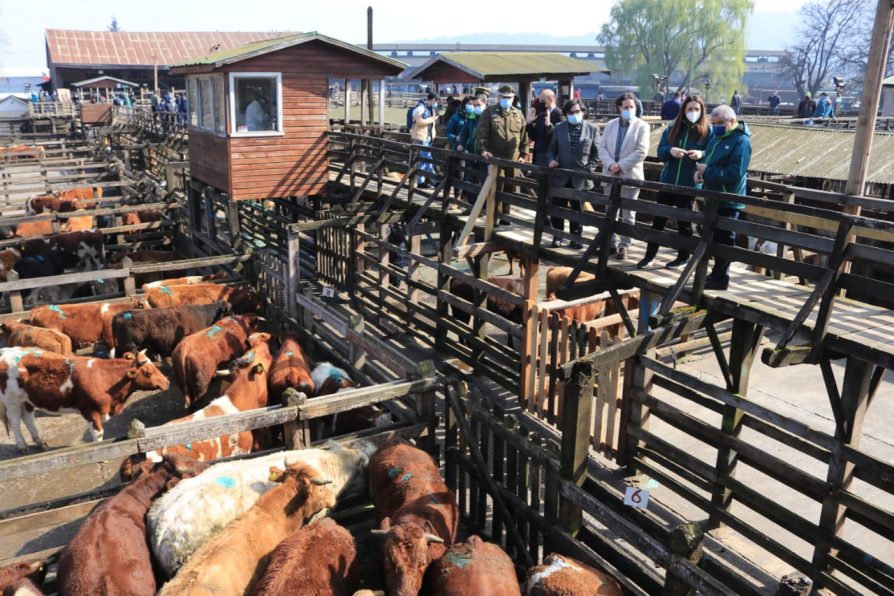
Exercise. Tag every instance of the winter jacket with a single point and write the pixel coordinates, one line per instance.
(455, 127)
(727, 158)
(423, 123)
(680, 171)
(468, 138)
(502, 132)
(823, 108)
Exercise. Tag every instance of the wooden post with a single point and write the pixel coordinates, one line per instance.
(136, 430)
(130, 283)
(855, 393)
(413, 272)
(445, 239)
(296, 433)
(744, 344)
(633, 413)
(369, 46)
(529, 293)
(426, 408)
(382, 103)
(524, 92)
(347, 103)
(686, 541)
(293, 280)
(233, 223)
(356, 355)
(576, 419)
(16, 304)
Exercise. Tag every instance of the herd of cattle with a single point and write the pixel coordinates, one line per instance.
(259, 526)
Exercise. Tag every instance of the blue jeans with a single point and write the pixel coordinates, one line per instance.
(720, 271)
(426, 166)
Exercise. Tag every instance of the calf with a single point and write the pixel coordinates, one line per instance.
(47, 265)
(504, 308)
(330, 379)
(233, 561)
(243, 299)
(85, 324)
(52, 203)
(473, 567)
(17, 151)
(82, 250)
(132, 218)
(31, 378)
(159, 330)
(197, 509)
(247, 392)
(561, 575)
(416, 512)
(109, 554)
(299, 561)
(290, 370)
(557, 276)
(145, 256)
(185, 281)
(29, 229)
(198, 356)
(22, 579)
(25, 335)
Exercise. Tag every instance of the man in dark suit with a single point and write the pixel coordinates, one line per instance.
(572, 147)
(542, 119)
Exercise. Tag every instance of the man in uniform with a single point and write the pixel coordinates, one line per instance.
(501, 133)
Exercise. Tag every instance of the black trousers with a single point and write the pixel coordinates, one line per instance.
(558, 223)
(683, 227)
(720, 271)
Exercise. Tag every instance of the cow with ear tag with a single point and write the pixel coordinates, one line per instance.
(36, 379)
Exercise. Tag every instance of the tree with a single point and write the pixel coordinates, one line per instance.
(684, 41)
(823, 41)
(114, 28)
(855, 56)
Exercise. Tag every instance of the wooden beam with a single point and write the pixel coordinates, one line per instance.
(485, 196)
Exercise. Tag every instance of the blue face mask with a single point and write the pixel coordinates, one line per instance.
(479, 110)
(434, 106)
(718, 129)
(575, 118)
(469, 108)
(627, 115)
(505, 102)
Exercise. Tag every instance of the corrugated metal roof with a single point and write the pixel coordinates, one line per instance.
(258, 48)
(133, 48)
(811, 152)
(500, 66)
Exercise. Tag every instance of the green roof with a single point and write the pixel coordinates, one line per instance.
(502, 66)
(259, 48)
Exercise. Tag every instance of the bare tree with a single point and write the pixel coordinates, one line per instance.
(823, 40)
(855, 56)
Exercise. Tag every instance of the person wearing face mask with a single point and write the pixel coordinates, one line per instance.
(682, 144)
(572, 147)
(501, 133)
(475, 171)
(453, 129)
(541, 125)
(724, 168)
(623, 147)
(423, 133)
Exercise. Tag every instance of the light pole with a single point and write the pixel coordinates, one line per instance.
(707, 89)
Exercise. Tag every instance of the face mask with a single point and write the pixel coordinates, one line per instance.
(575, 118)
(479, 110)
(505, 102)
(434, 106)
(693, 116)
(718, 129)
(627, 115)
(469, 108)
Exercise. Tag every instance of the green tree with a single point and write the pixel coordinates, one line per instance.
(684, 41)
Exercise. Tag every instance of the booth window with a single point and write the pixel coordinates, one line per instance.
(256, 104)
(206, 104)
(192, 86)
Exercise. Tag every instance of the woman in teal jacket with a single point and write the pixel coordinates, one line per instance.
(725, 169)
(682, 145)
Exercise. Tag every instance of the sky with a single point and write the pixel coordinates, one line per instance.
(22, 22)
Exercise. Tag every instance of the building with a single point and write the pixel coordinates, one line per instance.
(888, 97)
(22, 79)
(132, 55)
(13, 107)
(259, 113)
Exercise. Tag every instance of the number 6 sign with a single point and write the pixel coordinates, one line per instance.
(637, 498)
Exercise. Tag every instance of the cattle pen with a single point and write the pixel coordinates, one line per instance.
(541, 422)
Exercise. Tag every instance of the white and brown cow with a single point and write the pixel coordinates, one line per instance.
(33, 379)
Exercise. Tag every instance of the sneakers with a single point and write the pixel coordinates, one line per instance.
(644, 263)
(557, 243)
(677, 263)
(622, 253)
(712, 283)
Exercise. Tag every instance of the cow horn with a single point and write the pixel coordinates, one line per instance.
(223, 373)
(378, 532)
(319, 482)
(434, 538)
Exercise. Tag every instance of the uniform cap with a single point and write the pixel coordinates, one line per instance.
(506, 90)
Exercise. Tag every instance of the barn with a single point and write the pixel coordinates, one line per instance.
(259, 113)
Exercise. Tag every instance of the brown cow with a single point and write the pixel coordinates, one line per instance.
(63, 201)
(159, 330)
(29, 229)
(25, 335)
(185, 281)
(198, 356)
(243, 299)
(290, 369)
(16, 151)
(560, 575)
(22, 579)
(473, 567)
(132, 218)
(85, 324)
(8, 259)
(109, 554)
(233, 561)
(557, 276)
(299, 561)
(31, 378)
(416, 512)
(247, 392)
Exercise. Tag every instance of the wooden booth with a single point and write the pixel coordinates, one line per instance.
(96, 96)
(259, 114)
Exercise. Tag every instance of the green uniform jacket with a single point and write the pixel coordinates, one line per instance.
(502, 133)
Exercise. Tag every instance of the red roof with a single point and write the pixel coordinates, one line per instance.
(131, 48)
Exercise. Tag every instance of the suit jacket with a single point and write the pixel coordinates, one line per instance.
(555, 117)
(633, 150)
(582, 158)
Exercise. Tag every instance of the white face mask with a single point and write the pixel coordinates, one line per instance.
(693, 116)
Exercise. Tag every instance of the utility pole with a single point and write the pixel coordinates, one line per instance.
(369, 46)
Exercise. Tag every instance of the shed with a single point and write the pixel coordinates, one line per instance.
(259, 113)
(888, 97)
(13, 107)
(500, 67)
